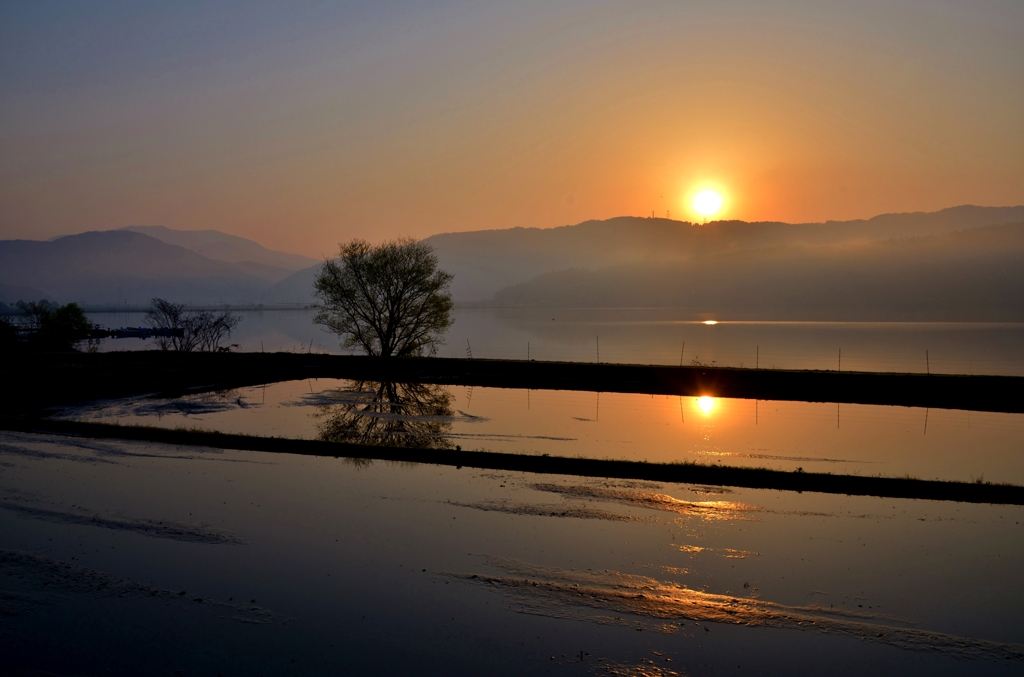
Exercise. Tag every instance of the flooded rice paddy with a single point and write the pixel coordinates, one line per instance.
(121, 557)
(127, 558)
(815, 437)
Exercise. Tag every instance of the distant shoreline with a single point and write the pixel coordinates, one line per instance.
(239, 307)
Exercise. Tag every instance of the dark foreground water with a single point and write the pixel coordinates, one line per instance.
(129, 558)
(664, 336)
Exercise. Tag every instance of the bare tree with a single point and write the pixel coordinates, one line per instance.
(201, 330)
(35, 311)
(390, 300)
(210, 329)
(163, 314)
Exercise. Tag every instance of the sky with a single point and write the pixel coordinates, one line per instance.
(301, 125)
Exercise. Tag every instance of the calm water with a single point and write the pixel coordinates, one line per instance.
(129, 558)
(854, 439)
(657, 336)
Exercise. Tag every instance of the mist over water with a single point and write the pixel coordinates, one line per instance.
(657, 336)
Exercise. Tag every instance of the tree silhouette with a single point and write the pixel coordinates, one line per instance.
(201, 330)
(390, 300)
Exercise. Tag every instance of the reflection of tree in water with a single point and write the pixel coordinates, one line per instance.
(390, 414)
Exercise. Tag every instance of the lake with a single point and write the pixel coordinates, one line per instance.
(664, 336)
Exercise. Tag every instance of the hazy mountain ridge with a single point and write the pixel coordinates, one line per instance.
(748, 268)
(214, 244)
(114, 266)
(487, 261)
(975, 274)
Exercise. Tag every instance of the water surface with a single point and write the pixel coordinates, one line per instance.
(122, 557)
(665, 336)
(817, 437)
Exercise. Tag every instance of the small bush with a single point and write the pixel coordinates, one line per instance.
(51, 326)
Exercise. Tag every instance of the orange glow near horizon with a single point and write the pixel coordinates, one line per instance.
(430, 121)
(706, 404)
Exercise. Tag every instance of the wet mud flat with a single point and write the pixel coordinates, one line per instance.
(128, 556)
(61, 379)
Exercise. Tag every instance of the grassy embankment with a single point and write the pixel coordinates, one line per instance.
(34, 382)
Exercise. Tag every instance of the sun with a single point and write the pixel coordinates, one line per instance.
(707, 203)
(706, 403)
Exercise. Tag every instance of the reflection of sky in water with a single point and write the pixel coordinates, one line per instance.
(818, 437)
(277, 564)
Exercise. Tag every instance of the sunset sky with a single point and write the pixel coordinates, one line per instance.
(303, 124)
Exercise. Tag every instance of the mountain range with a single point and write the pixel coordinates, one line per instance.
(958, 263)
(136, 263)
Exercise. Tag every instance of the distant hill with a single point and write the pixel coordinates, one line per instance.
(974, 274)
(114, 266)
(12, 292)
(485, 261)
(903, 265)
(296, 288)
(219, 246)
